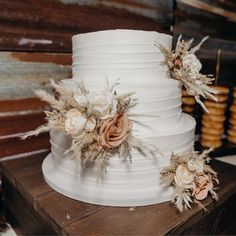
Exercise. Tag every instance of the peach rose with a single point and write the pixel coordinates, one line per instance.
(203, 186)
(114, 131)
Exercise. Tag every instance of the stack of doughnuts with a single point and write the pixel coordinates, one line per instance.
(212, 127)
(231, 136)
(188, 102)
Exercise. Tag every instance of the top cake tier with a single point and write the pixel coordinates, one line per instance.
(115, 52)
(120, 37)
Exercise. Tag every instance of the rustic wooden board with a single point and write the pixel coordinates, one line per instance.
(15, 169)
(63, 211)
(12, 126)
(157, 219)
(16, 105)
(22, 73)
(47, 25)
(31, 222)
(16, 146)
(70, 217)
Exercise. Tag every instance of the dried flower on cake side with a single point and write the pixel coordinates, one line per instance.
(98, 122)
(185, 67)
(193, 179)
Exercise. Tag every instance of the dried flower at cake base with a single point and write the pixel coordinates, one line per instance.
(185, 67)
(183, 176)
(191, 177)
(114, 131)
(203, 185)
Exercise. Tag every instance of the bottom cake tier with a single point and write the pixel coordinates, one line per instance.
(124, 183)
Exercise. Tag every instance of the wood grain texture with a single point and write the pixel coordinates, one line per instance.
(70, 217)
(47, 25)
(31, 223)
(158, 219)
(64, 210)
(19, 167)
(15, 146)
(22, 73)
(14, 125)
(28, 104)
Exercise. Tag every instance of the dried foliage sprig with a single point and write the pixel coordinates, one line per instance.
(98, 122)
(185, 67)
(191, 177)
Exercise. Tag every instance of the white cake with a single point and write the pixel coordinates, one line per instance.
(132, 57)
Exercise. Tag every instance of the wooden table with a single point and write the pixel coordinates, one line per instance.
(40, 210)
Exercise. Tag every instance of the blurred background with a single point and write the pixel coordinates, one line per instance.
(35, 46)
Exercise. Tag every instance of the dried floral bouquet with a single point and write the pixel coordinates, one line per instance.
(185, 67)
(191, 177)
(99, 123)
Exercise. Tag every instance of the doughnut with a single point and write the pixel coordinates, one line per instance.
(220, 98)
(216, 111)
(234, 94)
(232, 127)
(188, 101)
(188, 109)
(233, 108)
(214, 125)
(215, 104)
(213, 131)
(233, 116)
(209, 144)
(232, 132)
(211, 137)
(232, 121)
(185, 93)
(221, 89)
(231, 139)
(209, 117)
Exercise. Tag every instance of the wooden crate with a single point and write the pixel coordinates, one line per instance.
(40, 210)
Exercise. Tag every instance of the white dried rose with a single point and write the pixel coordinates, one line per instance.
(75, 122)
(192, 64)
(196, 165)
(183, 176)
(102, 102)
(91, 124)
(81, 100)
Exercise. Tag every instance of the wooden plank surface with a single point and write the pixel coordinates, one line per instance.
(16, 146)
(12, 126)
(158, 219)
(31, 223)
(70, 217)
(47, 25)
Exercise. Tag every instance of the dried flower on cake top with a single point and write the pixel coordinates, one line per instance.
(98, 122)
(191, 177)
(185, 67)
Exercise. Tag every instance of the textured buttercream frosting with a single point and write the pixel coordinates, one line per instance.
(133, 57)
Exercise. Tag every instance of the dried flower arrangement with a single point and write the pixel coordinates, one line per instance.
(185, 66)
(191, 177)
(99, 123)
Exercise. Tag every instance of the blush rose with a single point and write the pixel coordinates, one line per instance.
(203, 184)
(114, 131)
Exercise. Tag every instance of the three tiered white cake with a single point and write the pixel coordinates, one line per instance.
(133, 57)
